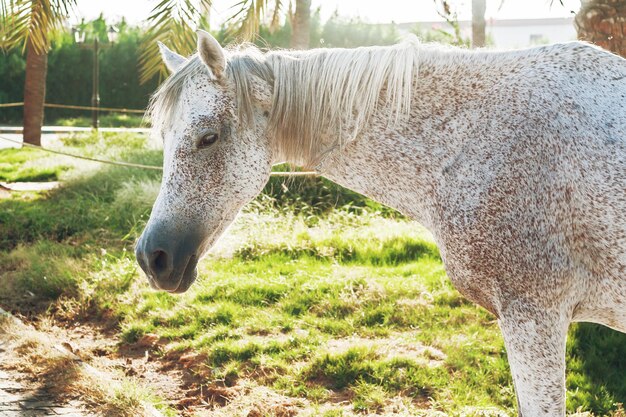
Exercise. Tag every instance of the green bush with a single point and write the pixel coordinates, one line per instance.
(69, 79)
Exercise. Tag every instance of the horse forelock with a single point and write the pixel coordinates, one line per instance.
(242, 63)
(316, 94)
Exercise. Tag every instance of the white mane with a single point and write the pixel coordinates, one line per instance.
(316, 94)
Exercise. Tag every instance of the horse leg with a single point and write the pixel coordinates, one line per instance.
(535, 344)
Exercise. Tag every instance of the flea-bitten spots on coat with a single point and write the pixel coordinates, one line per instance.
(515, 161)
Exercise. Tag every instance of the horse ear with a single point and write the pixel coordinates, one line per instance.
(172, 60)
(211, 53)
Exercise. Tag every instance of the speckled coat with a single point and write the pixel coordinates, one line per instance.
(515, 161)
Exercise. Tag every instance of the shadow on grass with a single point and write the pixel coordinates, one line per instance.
(394, 251)
(596, 368)
(24, 165)
(46, 238)
(85, 205)
(62, 385)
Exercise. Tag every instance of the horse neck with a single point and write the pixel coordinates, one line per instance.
(404, 166)
(392, 168)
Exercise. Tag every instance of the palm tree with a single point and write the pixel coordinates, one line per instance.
(172, 22)
(29, 23)
(449, 14)
(34, 93)
(478, 23)
(301, 25)
(246, 21)
(601, 22)
(598, 21)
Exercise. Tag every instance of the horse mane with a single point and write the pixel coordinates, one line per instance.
(318, 94)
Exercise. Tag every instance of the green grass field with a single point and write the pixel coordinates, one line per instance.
(317, 300)
(106, 120)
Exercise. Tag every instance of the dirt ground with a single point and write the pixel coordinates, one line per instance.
(176, 377)
(24, 394)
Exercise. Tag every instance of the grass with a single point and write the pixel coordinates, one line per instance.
(106, 120)
(310, 302)
(29, 165)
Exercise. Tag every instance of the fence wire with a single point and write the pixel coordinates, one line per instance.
(74, 107)
(140, 166)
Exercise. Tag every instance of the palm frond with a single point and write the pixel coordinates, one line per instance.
(245, 22)
(31, 21)
(173, 22)
(14, 19)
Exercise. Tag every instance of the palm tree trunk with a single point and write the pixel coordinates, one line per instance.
(301, 25)
(601, 22)
(478, 23)
(34, 93)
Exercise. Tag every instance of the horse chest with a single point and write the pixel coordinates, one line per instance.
(498, 242)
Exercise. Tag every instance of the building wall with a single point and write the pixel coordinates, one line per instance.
(517, 33)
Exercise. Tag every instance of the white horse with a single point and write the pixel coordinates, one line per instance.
(515, 161)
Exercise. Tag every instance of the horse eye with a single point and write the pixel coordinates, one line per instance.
(207, 140)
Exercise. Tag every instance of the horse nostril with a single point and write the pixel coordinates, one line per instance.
(159, 262)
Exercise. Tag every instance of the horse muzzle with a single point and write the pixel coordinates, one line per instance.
(169, 258)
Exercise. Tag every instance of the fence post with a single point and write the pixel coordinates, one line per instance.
(95, 97)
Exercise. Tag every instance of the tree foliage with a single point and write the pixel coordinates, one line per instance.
(31, 20)
(69, 73)
(173, 22)
(247, 21)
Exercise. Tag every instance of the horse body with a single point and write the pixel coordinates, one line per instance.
(506, 177)
(515, 161)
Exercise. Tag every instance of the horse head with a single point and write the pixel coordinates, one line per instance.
(214, 161)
